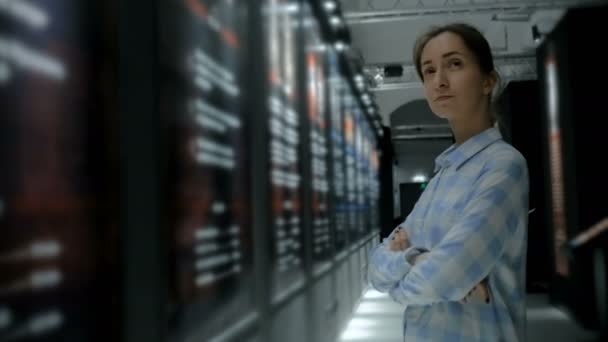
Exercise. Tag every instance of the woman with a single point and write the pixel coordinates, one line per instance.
(458, 260)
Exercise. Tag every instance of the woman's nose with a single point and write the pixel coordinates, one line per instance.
(441, 80)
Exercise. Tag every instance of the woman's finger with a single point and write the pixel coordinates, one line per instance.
(399, 244)
(407, 239)
(399, 235)
(484, 293)
(395, 245)
(481, 292)
(466, 298)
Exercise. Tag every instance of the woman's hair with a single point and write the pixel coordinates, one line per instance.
(474, 41)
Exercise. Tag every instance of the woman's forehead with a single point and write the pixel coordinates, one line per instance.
(443, 45)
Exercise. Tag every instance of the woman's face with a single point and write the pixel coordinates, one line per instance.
(454, 85)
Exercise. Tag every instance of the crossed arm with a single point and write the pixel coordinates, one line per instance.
(455, 268)
(400, 242)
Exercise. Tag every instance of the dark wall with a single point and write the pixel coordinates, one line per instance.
(520, 118)
(415, 112)
(416, 157)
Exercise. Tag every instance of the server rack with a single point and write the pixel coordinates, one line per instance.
(573, 177)
(58, 216)
(203, 60)
(187, 181)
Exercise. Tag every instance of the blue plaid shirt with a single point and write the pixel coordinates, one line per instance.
(472, 220)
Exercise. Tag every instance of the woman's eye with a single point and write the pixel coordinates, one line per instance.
(455, 63)
(428, 71)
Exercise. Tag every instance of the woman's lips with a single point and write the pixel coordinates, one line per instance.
(443, 97)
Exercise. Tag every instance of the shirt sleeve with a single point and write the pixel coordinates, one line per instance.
(388, 267)
(475, 243)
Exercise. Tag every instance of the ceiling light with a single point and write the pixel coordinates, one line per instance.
(419, 178)
(292, 8)
(340, 46)
(335, 21)
(366, 99)
(329, 5)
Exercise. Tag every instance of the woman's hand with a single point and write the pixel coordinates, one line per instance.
(400, 241)
(480, 291)
(418, 258)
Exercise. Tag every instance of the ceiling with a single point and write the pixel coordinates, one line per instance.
(384, 31)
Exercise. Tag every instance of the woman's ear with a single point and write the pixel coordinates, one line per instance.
(489, 82)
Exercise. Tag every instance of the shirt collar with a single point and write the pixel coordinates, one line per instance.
(457, 155)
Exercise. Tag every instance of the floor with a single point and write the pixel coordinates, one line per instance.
(378, 319)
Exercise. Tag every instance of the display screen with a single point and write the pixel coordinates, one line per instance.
(336, 89)
(374, 183)
(202, 57)
(58, 234)
(364, 194)
(316, 68)
(282, 19)
(351, 163)
(361, 172)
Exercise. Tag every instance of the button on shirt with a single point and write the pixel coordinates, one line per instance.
(472, 220)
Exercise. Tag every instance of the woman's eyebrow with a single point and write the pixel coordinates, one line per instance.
(445, 55)
(451, 53)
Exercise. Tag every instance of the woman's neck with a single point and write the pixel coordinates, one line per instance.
(465, 129)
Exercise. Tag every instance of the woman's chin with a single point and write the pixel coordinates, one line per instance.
(442, 115)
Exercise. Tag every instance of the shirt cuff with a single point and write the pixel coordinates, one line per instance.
(411, 253)
(394, 263)
(406, 257)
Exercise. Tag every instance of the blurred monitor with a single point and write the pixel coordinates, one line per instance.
(202, 102)
(336, 134)
(317, 78)
(59, 250)
(281, 28)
